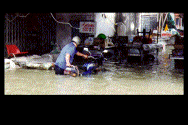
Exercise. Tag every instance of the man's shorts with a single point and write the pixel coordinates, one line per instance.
(58, 70)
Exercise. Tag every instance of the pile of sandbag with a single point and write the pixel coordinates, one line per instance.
(35, 61)
(9, 64)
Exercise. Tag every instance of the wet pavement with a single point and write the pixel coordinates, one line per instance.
(126, 78)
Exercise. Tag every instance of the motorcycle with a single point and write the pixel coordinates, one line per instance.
(89, 66)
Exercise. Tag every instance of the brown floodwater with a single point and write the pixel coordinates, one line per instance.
(126, 78)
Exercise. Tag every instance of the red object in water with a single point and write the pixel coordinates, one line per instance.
(13, 50)
(149, 41)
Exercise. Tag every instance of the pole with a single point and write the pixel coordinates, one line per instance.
(160, 22)
(164, 20)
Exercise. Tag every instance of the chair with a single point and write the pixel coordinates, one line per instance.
(13, 50)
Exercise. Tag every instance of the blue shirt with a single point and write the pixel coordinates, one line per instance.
(70, 49)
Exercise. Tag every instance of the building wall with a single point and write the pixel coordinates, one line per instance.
(66, 25)
(103, 25)
(22, 31)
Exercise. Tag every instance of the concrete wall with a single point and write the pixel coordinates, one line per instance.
(63, 31)
(63, 34)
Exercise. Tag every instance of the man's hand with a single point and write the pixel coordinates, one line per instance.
(85, 56)
(69, 65)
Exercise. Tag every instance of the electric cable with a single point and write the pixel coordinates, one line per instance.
(63, 22)
(17, 15)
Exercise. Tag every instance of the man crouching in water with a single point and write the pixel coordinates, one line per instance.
(63, 63)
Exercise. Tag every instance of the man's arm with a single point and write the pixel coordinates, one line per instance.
(81, 54)
(67, 58)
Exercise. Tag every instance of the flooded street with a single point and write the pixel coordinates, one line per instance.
(125, 78)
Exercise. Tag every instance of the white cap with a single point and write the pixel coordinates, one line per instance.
(76, 39)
